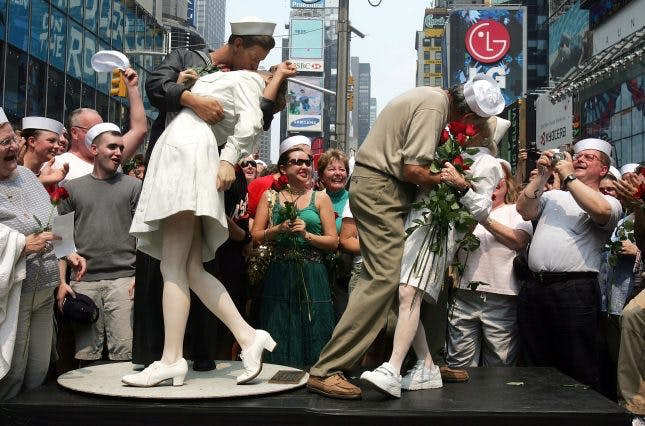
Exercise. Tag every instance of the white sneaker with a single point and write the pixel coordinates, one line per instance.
(420, 377)
(384, 380)
(158, 372)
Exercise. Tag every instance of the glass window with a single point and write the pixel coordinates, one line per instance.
(39, 29)
(426, 55)
(117, 25)
(75, 50)
(18, 24)
(615, 127)
(72, 94)
(91, 12)
(438, 82)
(76, 9)
(36, 89)
(2, 67)
(89, 49)
(103, 79)
(55, 94)
(61, 4)
(105, 11)
(88, 95)
(3, 18)
(15, 82)
(637, 121)
(130, 29)
(57, 39)
(437, 55)
(637, 148)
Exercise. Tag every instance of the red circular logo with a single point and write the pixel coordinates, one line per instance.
(487, 41)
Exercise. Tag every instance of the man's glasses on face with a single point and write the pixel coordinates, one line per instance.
(8, 141)
(586, 157)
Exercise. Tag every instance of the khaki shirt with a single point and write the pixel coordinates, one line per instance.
(406, 131)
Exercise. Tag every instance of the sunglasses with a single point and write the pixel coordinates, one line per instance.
(300, 162)
(247, 163)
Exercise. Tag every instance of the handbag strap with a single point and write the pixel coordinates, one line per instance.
(206, 58)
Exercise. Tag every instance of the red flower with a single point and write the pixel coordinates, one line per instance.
(462, 138)
(456, 127)
(58, 194)
(445, 135)
(335, 215)
(471, 130)
(280, 183)
(640, 193)
(458, 161)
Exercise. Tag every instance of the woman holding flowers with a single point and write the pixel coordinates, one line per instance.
(438, 224)
(28, 271)
(296, 304)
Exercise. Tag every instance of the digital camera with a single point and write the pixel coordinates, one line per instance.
(557, 156)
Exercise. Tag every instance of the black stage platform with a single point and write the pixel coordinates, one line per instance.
(545, 398)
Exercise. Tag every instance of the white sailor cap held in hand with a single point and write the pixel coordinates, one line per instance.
(483, 96)
(593, 143)
(499, 127)
(3, 117)
(292, 141)
(252, 25)
(42, 123)
(98, 129)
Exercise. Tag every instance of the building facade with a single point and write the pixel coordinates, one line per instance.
(46, 48)
(362, 96)
(210, 19)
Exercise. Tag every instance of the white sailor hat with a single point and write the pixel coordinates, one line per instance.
(97, 129)
(615, 172)
(107, 60)
(42, 123)
(483, 96)
(252, 25)
(292, 141)
(3, 117)
(499, 126)
(258, 161)
(505, 163)
(628, 168)
(592, 143)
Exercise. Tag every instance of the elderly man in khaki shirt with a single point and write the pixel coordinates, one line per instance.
(392, 161)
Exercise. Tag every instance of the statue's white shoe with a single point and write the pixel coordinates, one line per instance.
(252, 356)
(158, 372)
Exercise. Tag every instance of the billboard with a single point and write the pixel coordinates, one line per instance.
(491, 41)
(570, 41)
(307, 4)
(309, 65)
(553, 122)
(306, 38)
(305, 105)
(434, 22)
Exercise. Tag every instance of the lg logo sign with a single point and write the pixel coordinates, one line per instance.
(487, 41)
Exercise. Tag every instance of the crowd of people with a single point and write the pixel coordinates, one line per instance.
(199, 250)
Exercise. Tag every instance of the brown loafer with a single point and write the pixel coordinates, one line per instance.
(452, 375)
(334, 386)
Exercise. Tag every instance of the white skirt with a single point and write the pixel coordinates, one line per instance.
(182, 176)
(417, 265)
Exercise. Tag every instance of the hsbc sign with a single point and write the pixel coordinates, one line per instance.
(487, 41)
(316, 66)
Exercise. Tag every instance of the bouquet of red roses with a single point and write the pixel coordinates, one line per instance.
(447, 224)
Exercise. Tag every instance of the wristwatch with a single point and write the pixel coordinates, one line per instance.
(568, 179)
(462, 192)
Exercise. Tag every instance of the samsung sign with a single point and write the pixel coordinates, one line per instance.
(304, 122)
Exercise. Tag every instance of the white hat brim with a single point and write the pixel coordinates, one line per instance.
(108, 60)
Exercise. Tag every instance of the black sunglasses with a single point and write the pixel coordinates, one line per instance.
(246, 163)
(300, 162)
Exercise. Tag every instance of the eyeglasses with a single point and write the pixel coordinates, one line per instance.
(586, 157)
(244, 164)
(8, 141)
(300, 162)
(82, 128)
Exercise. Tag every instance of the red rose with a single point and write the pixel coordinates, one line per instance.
(458, 160)
(59, 194)
(456, 127)
(50, 189)
(471, 130)
(280, 183)
(462, 138)
(445, 135)
(640, 193)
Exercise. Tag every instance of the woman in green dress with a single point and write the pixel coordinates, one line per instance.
(296, 307)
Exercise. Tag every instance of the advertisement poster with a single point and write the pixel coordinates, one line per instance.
(570, 41)
(306, 38)
(553, 122)
(489, 41)
(305, 105)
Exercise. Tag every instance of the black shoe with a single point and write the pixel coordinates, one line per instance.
(203, 365)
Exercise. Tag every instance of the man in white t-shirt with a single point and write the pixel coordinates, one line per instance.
(79, 158)
(559, 304)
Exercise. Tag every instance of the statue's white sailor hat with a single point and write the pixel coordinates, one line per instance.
(592, 143)
(628, 168)
(483, 96)
(42, 123)
(98, 129)
(108, 60)
(615, 172)
(3, 117)
(252, 25)
(292, 141)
